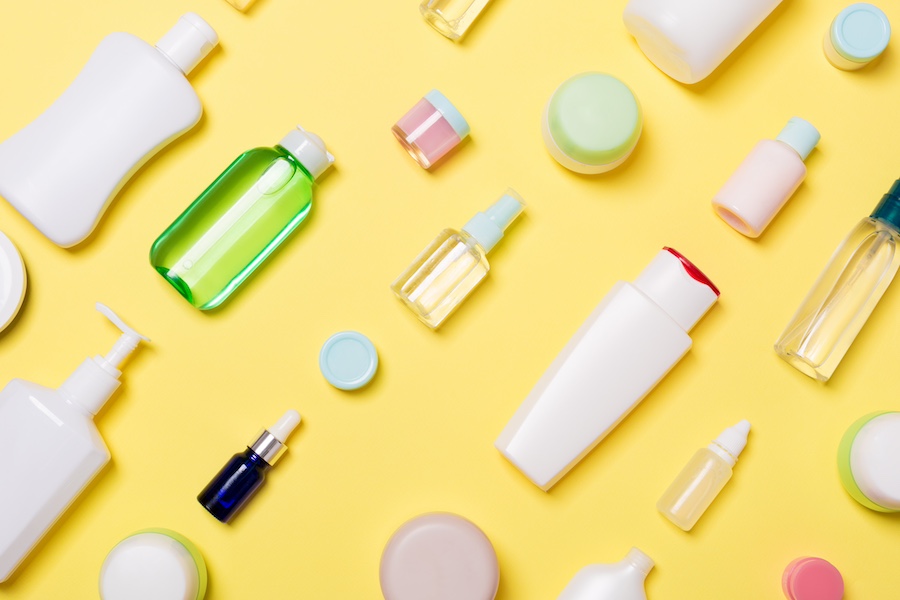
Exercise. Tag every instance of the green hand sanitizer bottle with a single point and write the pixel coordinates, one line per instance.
(233, 226)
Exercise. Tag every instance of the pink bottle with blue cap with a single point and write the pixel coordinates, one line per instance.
(431, 129)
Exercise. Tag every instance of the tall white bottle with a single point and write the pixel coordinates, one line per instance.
(623, 580)
(131, 99)
(51, 447)
(631, 340)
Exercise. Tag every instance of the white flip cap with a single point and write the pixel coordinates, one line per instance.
(732, 442)
(188, 42)
(309, 149)
(12, 281)
(678, 287)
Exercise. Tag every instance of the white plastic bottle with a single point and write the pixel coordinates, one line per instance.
(51, 447)
(131, 99)
(631, 340)
(623, 580)
(688, 39)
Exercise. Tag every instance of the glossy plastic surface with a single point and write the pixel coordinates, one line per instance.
(698, 484)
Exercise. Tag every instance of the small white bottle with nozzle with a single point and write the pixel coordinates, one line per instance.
(51, 447)
(703, 478)
(623, 580)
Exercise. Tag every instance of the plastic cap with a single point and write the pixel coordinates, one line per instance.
(487, 227)
(592, 123)
(449, 112)
(348, 360)
(888, 209)
(12, 281)
(678, 287)
(860, 33)
(153, 564)
(639, 560)
(812, 579)
(188, 42)
(800, 135)
(733, 441)
(309, 149)
(869, 461)
(285, 425)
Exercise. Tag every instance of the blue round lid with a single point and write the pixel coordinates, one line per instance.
(348, 360)
(860, 32)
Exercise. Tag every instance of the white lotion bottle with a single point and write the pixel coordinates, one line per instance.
(623, 580)
(129, 101)
(688, 39)
(51, 447)
(637, 333)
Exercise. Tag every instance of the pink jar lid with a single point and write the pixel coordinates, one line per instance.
(439, 556)
(810, 578)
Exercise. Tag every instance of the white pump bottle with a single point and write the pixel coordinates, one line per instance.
(51, 447)
(131, 99)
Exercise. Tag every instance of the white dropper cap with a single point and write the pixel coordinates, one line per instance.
(188, 42)
(96, 379)
(285, 425)
(732, 442)
(269, 444)
(309, 149)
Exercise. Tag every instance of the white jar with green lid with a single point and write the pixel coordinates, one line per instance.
(592, 123)
(869, 461)
(857, 36)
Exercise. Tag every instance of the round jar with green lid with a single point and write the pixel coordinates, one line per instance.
(869, 461)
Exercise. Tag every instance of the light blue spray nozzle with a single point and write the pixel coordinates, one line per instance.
(800, 135)
(487, 227)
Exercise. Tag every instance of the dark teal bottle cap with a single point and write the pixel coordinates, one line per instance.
(888, 210)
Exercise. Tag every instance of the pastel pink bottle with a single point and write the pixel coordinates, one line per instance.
(767, 178)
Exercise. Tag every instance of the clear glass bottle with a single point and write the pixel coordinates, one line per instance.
(452, 17)
(840, 302)
(703, 478)
(449, 268)
(239, 220)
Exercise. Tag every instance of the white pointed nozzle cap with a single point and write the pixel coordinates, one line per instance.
(639, 560)
(309, 149)
(285, 425)
(188, 42)
(733, 440)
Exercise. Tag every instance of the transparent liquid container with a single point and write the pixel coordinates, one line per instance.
(452, 17)
(840, 302)
(453, 265)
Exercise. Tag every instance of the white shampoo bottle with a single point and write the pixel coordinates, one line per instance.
(623, 580)
(51, 447)
(631, 340)
(131, 99)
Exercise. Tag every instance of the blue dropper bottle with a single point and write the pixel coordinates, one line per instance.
(245, 473)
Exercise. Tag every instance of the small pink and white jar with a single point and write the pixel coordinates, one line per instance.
(431, 129)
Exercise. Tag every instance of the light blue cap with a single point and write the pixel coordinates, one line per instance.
(800, 135)
(449, 112)
(487, 227)
(348, 360)
(860, 32)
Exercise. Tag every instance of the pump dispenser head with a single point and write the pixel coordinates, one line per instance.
(188, 42)
(269, 444)
(732, 442)
(95, 381)
(309, 149)
(487, 227)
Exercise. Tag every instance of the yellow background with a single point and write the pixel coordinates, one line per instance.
(420, 437)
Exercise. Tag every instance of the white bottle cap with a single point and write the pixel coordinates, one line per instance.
(732, 441)
(678, 287)
(188, 42)
(639, 560)
(309, 149)
(96, 379)
(285, 425)
(12, 281)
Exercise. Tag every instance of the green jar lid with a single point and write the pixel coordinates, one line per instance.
(592, 123)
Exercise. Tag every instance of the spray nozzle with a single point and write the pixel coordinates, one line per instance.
(126, 344)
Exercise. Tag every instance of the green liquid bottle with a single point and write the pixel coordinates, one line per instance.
(233, 226)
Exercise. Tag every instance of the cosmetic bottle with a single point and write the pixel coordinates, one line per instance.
(452, 266)
(240, 219)
(131, 99)
(431, 129)
(688, 39)
(703, 478)
(623, 580)
(452, 17)
(844, 296)
(637, 333)
(869, 461)
(767, 178)
(53, 446)
(244, 474)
